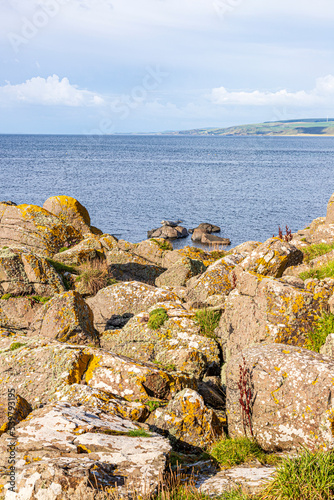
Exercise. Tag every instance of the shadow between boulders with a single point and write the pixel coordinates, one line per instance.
(135, 272)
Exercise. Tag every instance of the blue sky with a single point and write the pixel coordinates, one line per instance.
(105, 66)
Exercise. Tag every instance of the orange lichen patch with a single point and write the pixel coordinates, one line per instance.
(76, 373)
(93, 364)
(70, 211)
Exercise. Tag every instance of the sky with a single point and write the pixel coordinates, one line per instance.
(123, 66)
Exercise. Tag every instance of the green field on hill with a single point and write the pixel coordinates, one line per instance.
(314, 127)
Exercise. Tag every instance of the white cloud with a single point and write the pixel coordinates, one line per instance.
(49, 91)
(322, 94)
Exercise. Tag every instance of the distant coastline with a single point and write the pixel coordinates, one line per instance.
(318, 127)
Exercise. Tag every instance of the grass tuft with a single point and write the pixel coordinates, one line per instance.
(16, 345)
(316, 250)
(208, 321)
(94, 276)
(164, 245)
(230, 452)
(38, 298)
(60, 267)
(322, 272)
(310, 476)
(139, 433)
(157, 318)
(317, 337)
(7, 296)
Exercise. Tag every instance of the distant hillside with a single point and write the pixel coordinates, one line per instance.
(314, 127)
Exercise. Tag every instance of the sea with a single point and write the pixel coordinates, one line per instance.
(249, 186)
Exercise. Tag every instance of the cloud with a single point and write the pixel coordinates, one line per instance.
(49, 91)
(320, 95)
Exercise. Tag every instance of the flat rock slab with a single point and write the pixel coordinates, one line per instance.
(61, 446)
(250, 479)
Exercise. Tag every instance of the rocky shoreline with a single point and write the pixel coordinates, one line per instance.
(115, 357)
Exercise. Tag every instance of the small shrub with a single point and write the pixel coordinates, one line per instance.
(317, 337)
(310, 476)
(316, 250)
(7, 296)
(208, 321)
(164, 245)
(285, 237)
(320, 273)
(138, 433)
(152, 404)
(16, 345)
(157, 318)
(93, 275)
(230, 452)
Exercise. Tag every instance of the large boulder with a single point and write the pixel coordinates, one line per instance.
(70, 211)
(272, 258)
(290, 397)
(153, 250)
(34, 228)
(41, 371)
(66, 318)
(168, 232)
(211, 287)
(188, 421)
(88, 249)
(65, 447)
(125, 298)
(180, 272)
(176, 345)
(24, 273)
(266, 310)
(17, 313)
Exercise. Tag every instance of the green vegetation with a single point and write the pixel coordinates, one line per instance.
(318, 127)
(320, 273)
(152, 404)
(230, 452)
(139, 433)
(63, 249)
(157, 318)
(16, 345)
(60, 267)
(94, 275)
(7, 296)
(208, 321)
(163, 245)
(316, 250)
(308, 477)
(317, 337)
(38, 298)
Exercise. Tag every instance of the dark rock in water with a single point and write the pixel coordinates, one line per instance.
(10, 203)
(206, 227)
(209, 239)
(170, 223)
(167, 232)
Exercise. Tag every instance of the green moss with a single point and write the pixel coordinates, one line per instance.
(38, 298)
(7, 296)
(208, 321)
(63, 249)
(217, 254)
(317, 337)
(60, 267)
(138, 433)
(16, 345)
(164, 245)
(316, 250)
(157, 318)
(230, 452)
(320, 273)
